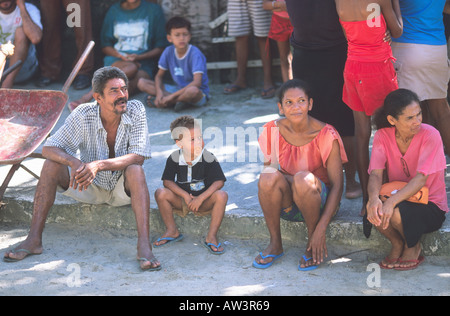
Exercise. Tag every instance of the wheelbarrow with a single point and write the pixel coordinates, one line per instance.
(26, 119)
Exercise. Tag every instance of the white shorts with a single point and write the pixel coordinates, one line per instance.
(423, 69)
(245, 15)
(97, 195)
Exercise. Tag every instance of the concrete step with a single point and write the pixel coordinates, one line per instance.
(341, 231)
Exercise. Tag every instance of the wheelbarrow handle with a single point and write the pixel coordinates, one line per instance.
(77, 67)
(11, 69)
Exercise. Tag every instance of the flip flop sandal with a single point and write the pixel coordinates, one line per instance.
(268, 93)
(306, 268)
(150, 100)
(29, 253)
(388, 261)
(232, 88)
(169, 240)
(268, 264)
(416, 264)
(208, 246)
(157, 268)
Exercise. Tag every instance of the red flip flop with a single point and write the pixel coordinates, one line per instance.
(416, 263)
(388, 261)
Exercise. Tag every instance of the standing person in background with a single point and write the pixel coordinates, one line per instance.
(243, 16)
(280, 31)
(422, 60)
(369, 74)
(320, 53)
(50, 61)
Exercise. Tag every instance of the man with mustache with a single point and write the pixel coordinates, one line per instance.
(20, 23)
(111, 136)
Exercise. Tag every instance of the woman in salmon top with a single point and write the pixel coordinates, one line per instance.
(369, 74)
(303, 178)
(412, 152)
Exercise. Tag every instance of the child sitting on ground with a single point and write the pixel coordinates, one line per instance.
(187, 66)
(192, 181)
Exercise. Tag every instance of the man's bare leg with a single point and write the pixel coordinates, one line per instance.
(140, 203)
(52, 175)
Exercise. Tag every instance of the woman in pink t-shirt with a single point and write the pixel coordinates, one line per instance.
(411, 152)
(303, 178)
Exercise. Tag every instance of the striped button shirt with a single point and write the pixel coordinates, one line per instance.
(84, 136)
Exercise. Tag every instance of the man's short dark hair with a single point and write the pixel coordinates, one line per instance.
(177, 22)
(103, 75)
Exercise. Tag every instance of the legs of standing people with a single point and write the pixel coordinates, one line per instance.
(50, 60)
(83, 35)
(241, 49)
(245, 16)
(284, 48)
(363, 132)
(268, 90)
(424, 70)
(439, 111)
(323, 70)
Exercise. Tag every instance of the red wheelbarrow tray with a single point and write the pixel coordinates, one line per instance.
(26, 119)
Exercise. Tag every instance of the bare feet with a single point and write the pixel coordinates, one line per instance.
(353, 190)
(391, 260)
(410, 258)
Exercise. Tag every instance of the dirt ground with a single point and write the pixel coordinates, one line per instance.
(84, 261)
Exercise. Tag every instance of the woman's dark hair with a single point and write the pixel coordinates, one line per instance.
(394, 104)
(293, 84)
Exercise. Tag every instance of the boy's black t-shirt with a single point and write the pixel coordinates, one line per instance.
(193, 179)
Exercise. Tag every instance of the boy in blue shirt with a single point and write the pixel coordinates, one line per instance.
(187, 66)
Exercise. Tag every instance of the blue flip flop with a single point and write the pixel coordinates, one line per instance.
(208, 246)
(169, 240)
(307, 268)
(268, 264)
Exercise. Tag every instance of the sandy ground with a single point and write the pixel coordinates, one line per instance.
(83, 261)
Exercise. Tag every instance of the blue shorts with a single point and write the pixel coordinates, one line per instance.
(293, 213)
